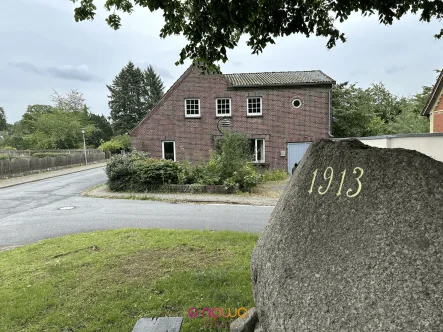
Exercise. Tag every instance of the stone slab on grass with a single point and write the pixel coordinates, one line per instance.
(161, 324)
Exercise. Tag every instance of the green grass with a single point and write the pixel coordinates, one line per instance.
(106, 281)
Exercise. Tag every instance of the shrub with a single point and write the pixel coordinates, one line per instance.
(117, 144)
(4, 157)
(48, 154)
(137, 172)
(243, 179)
(111, 146)
(274, 175)
(8, 148)
(153, 173)
(230, 166)
(196, 188)
(121, 171)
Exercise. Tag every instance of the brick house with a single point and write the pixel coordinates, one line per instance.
(434, 107)
(280, 112)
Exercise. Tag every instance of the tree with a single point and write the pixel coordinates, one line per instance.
(3, 123)
(58, 129)
(153, 88)
(127, 99)
(353, 109)
(386, 105)
(410, 119)
(102, 130)
(376, 111)
(73, 101)
(27, 123)
(212, 27)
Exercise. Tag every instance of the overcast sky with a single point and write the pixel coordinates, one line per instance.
(43, 49)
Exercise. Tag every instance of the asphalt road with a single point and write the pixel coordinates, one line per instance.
(34, 211)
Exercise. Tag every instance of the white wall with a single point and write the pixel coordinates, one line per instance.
(428, 144)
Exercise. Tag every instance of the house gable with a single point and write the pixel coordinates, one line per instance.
(434, 106)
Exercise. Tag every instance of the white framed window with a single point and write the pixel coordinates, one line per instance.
(296, 103)
(192, 108)
(258, 150)
(223, 106)
(254, 106)
(168, 150)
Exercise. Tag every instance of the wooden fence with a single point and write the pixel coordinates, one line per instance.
(29, 153)
(23, 165)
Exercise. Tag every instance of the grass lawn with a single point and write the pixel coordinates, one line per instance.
(106, 281)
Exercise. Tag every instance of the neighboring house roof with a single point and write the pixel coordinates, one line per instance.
(279, 78)
(435, 94)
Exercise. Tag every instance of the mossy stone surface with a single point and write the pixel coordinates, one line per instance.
(363, 253)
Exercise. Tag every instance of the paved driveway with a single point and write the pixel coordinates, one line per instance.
(54, 207)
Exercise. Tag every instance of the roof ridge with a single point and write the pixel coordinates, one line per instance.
(279, 72)
(436, 86)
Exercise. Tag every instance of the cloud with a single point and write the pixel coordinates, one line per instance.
(66, 72)
(236, 63)
(394, 69)
(163, 72)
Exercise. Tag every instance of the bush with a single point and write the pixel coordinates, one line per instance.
(48, 154)
(8, 148)
(230, 166)
(117, 144)
(243, 179)
(121, 171)
(274, 175)
(153, 173)
(137, 172)
(4, 157)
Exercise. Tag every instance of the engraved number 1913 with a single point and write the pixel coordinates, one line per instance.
(328, 175)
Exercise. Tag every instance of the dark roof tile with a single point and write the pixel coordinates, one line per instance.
(279, 78)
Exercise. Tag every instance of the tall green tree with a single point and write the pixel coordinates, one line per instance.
(354, 114)
(212, 27)
(409, 120)
(102, 130)
(126, 99)
(3, 123)
(154, 87)
(27, 123)
(386, 105)
(376, 111)
(58, 129)
(73, 101)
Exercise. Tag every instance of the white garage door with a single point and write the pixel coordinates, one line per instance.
(296, 152)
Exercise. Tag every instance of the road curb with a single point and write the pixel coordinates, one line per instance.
(50, 176)
(94, 192)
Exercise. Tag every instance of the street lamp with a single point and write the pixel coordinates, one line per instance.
(84, 145)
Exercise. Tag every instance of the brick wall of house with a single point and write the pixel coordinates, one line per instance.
(194, 137)
(438, 116)
(438, 123)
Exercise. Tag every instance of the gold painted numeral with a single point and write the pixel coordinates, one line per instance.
(313, 181)
(328, 175)
(359, 183)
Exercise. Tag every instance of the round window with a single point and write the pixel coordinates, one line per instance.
(296, 103)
